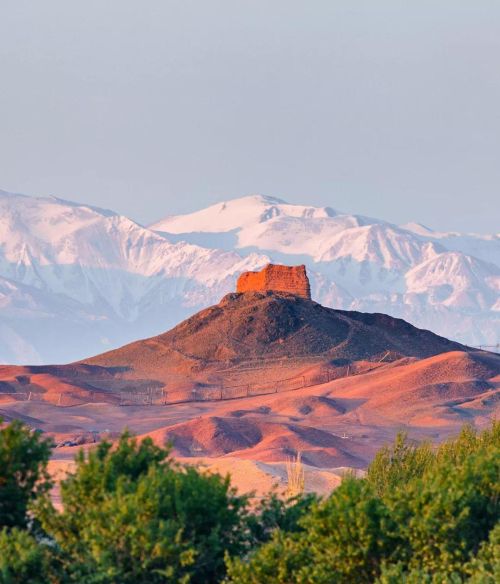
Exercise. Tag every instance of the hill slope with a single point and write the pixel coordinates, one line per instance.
(275, 332)
(248, 338)
(391, 374)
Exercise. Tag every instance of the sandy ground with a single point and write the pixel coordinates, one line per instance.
(334, 425)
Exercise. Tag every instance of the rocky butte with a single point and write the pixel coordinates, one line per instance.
(276, 278)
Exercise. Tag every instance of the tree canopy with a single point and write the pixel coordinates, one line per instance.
(24, 455)
(131, 514)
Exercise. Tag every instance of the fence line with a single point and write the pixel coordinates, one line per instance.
(22, 394)
(155, 396)
(491, 348)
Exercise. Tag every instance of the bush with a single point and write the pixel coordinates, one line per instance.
(24, 455)
(344, 539)
(399, 574)
(485, 567)
(444, 516)
(419, 516)
(276, 514)
(22, 559)
(131, 515)
(397, 464)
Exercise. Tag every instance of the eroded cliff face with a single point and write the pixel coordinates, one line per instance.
(276, 278)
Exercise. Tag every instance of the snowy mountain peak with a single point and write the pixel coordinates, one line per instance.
(236, 214)
(76, 279)
(17, 198)
(418, 228)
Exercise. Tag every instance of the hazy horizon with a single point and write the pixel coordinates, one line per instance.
(163, 108)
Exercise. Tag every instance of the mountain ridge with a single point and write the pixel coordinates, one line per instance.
(67, 267)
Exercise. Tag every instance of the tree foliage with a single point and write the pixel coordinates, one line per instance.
(399, 463)
(23, 559)
(24, 455)
(421, 515)
(344, 539)
(132, 515)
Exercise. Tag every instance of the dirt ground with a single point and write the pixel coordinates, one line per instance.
(335, 426)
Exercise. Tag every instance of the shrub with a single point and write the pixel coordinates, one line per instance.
(485, 567)
(131, 515)
(22, 559)
(419, 516)
(274, 513)
(24, 455)
(344, 539)
(444, 516)
(397, 464)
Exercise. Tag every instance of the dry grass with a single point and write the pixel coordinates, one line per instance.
(295, 475)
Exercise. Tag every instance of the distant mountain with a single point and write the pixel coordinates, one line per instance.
(446, 282)
(76, 280)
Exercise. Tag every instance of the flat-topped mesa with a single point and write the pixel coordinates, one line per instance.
(276, 278)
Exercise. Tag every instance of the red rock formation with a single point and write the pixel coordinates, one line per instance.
(291, 279)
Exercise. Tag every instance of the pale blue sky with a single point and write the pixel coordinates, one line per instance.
(390, 109)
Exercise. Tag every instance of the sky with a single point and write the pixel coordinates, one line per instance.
(388, 109)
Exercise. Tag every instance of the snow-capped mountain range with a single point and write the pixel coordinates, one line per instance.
(76, 280)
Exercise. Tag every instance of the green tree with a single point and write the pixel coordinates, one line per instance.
(283, 560)
(397, 464)
(343, 539)
(400, 574)
(485, 567)
(131, 515)
(468, 442)
(420, 516)
(446, 515)
(274, 513)
(22, 559)
(24, 455)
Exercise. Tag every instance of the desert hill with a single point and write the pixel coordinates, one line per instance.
(356, 378)
(262, 327)
(335, 424)
(422, 383)
(343, 422)
(262, 335)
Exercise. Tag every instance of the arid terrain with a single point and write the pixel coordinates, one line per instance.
(334, 425)
(264, 375)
